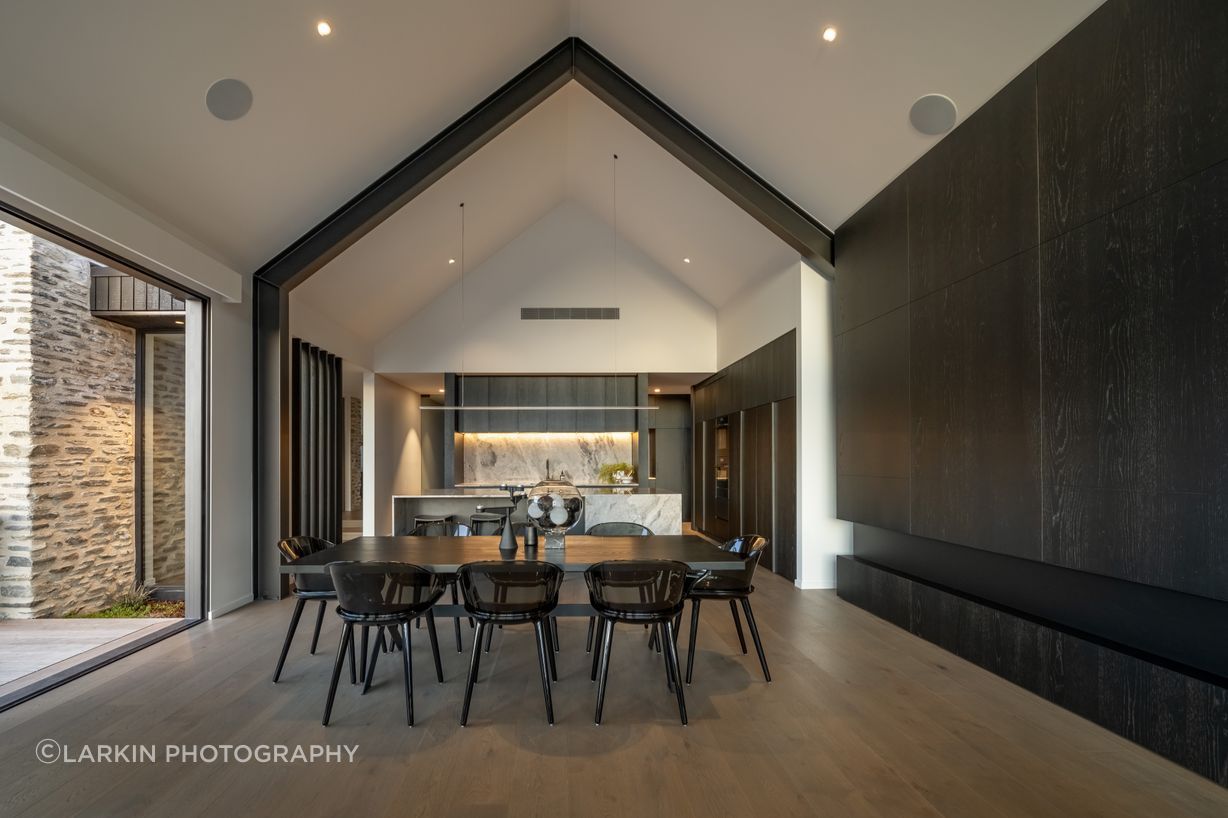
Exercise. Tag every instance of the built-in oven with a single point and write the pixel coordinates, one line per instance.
(720, 467)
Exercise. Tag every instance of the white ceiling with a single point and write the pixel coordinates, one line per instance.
(563, 149)
(117, 89)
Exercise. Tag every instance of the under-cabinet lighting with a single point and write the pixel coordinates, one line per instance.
(539, 408)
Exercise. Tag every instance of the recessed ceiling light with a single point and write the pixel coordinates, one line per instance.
(180, 323)
(658, 389)
(441, 391)
(686, 261)
(324, 28)
(829, 34)
(451, 261)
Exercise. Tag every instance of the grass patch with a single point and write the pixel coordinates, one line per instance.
(137, 604)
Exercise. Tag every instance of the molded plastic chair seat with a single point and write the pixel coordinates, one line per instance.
(486, 524)
(611, 529)
(306, 587)
(735, 586)
(386, 595)
(639, 591)
(445, 527)
(512, 592)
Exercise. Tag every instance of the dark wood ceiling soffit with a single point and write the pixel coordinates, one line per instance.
(572, 58)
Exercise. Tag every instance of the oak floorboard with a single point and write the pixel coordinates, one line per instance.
(862, 719)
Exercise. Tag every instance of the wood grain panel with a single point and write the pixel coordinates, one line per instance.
(784, 548)
(975, 397)
(972, 198)
(1131, 100)
(1173, 715)
(871, 251)
(872, 398)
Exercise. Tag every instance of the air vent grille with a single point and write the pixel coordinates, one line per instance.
(569, 313)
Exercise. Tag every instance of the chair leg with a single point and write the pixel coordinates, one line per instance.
(607, 642)
(543, 663)
(375, 650)
(737, 623)
(490, 631)
(601, 625)
(353, 662)
(658, 635)
(456, 622)
(554, 633)
(754, 634)
(654, 640)
(588, 640)
(690, 654)
(285, 647)
(551, 647)
(473, 672)
(408, 665)
(362, 654)
(673, 660)
(430, 629)
(347, 633)
(315, 635)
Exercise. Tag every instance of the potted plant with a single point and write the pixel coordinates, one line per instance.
(617, 473)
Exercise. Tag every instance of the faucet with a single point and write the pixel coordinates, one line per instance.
(547, 468)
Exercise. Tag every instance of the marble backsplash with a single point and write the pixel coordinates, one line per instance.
(522, 457)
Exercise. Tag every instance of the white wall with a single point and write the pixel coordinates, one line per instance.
(392, 450)
(821, 536)
(230, 440)
(761, 312)
(798, 298)
(566, 259)
(311, 325)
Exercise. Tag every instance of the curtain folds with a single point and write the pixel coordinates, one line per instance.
(316, 456)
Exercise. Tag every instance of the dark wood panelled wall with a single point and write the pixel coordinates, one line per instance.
(1032, 362)
(753, 403)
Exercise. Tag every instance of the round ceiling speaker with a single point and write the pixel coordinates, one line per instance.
(933, 114)
(228, 99)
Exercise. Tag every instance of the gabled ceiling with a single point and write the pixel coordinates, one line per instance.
(117, 89)
(563, 149)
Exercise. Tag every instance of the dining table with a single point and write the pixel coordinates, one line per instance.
(445, 555)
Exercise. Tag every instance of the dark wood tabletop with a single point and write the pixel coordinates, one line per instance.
(447, 554)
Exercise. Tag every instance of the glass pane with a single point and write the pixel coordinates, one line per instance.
(163, 472)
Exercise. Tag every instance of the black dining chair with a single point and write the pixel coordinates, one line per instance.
(446, 527)
(386, 596)
(734, 586)
(642, 592)
(611, 530)
(514, 592)
(307, 587)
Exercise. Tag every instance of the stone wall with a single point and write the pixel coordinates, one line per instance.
(355, 405)
(163, 468)
(69, 468)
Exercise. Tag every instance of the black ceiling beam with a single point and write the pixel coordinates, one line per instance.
(571, 58)
(420, 170)
(701, 154)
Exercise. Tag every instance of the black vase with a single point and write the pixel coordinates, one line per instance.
(507, 540)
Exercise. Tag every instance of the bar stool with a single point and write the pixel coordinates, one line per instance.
(307, 587)
(638, 591)
(611, 530)
(511, 593)
(734, 586)
(446, 527)
(432, 520)
(486, 524)
(384, 595)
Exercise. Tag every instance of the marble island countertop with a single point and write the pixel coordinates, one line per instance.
(494, 491)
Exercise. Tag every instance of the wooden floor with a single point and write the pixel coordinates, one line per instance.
(862, 719)
(35, 647)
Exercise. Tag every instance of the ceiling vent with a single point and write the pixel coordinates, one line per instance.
(569, 313)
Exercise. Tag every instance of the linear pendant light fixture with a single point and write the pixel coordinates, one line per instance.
(460, 405)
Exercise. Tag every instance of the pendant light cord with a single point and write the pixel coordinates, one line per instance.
(462, 304)
(614, 276)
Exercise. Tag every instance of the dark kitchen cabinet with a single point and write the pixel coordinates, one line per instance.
(619, 391)
(590, 391)
(503, 392)
(758, 503)
(532, 391)
(561, 391)
(473, 390)
(784, 546)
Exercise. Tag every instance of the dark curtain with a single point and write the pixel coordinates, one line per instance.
(318, 438)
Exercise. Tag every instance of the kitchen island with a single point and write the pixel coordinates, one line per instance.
(660, 512)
